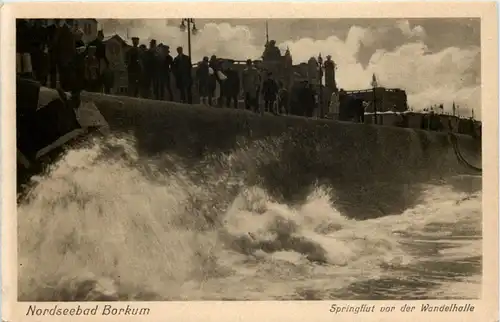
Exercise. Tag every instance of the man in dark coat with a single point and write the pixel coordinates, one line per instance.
(269, 92)
(306, 98)
(155, 69)
(39, 58)
(150, 71)
(231, 86)
(357, 110)
(66, 52)
(166, 70)
(100, 54)
(182, 69)
(144, 80)
(133, 68)
(344, 103)
(250, 83)
(202, 79)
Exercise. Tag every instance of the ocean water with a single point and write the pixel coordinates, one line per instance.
(105, 223)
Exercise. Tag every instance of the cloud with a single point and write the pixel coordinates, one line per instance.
(415, 32)
(396, 53)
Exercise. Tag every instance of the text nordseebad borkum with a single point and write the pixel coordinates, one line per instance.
(57, 310)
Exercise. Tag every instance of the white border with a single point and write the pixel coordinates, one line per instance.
(263, 311)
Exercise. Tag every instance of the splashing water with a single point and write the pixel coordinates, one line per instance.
(104, 224)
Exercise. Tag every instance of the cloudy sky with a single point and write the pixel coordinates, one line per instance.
(435, 60)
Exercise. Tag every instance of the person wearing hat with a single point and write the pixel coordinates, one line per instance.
(65, 55)
(250, 83)
(344, 104)
(269, 92)
(231, 85)
(182, 69)
(202, 79)
(133, 68)
(150, 72)
(306, 99)
(166, 61)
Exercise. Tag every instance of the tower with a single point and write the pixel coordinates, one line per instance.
(267, 33)
(374, 82)
(330, 68)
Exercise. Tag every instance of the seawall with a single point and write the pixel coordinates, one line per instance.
(364, 163)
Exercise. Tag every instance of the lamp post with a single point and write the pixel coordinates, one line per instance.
(320, 90)
(374, 86)
(183, 28)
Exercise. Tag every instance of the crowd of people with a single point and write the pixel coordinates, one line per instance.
(217, 81)
(55, 55)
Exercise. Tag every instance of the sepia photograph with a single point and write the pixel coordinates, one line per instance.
(249, 159)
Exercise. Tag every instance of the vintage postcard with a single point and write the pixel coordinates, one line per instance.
(250, 161)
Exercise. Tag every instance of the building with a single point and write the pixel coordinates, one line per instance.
(387, 99)
(89, 28)
(116, 49)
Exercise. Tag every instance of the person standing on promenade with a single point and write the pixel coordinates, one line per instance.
(156, 70)
(283, 99)
(202, 79)
(165, 80)
(269, 92)
(100, 54)
(150, 65)
(216, 80)
(182, 69)
(231, 86)
(334, 106)
(133, 68)
(144, 84)
(250, 84)
(65, 51)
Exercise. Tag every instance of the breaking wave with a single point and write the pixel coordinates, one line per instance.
(107, 224)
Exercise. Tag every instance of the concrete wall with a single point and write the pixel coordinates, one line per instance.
(363, 163)
(288, 155)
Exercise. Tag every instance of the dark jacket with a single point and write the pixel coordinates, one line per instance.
(202, 72)
(181, 69)
(344, 104)
(65, 44)
(307, 99)
(269, 89)
(232, 83)
(152, 62)
(133, 60)
(100, 51)
(167, 66)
